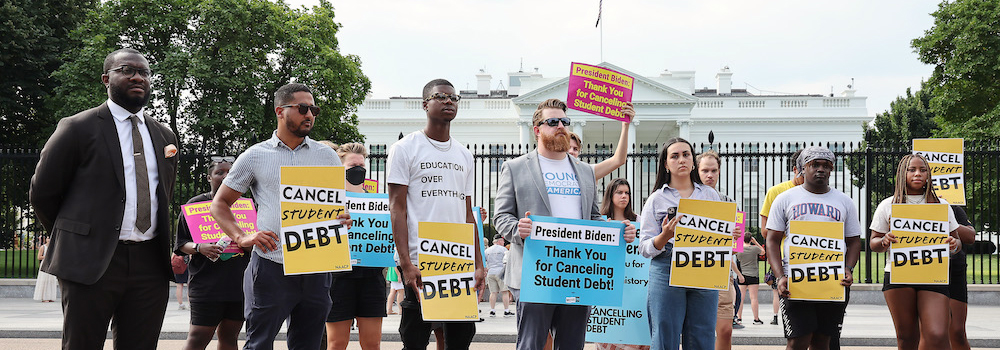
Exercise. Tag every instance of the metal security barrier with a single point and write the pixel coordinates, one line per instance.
(865, 173)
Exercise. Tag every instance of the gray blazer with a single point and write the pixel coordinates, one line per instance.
(528, 193)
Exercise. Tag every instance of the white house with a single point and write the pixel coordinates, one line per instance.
(667, 105)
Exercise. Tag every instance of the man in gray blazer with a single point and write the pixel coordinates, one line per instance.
(102, 189)
(550, 183)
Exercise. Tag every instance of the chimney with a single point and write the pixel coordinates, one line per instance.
(483, 78)
(724, 80)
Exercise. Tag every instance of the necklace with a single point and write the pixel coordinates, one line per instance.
(439, 148)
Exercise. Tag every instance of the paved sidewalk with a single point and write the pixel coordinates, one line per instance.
(864, 325)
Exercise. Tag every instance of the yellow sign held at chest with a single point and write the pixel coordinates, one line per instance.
(446, 256)
(703, 244)
(313, 240)
(920, 255)
(816, 260)
(946, 158)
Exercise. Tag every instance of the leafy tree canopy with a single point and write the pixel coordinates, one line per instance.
(217, 64)
(964, 47)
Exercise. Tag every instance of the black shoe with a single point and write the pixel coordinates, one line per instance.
(507, 314)
(493, 313)
(758, 321)
(774, 320)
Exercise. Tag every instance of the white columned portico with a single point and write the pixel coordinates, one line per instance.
(684, 127)
(524, 132)
(631, 135)
(578, 128)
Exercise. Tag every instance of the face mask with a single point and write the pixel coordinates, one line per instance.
(356, 175)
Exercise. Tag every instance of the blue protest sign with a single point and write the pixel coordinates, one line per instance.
(573, 262)
(628, 324)
(479, 231)
(371, 233)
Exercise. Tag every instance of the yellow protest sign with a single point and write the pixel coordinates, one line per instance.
(446, 253)
(703, 244)
(946, 158)
(312, 238)
(920, 255)
(816, 260)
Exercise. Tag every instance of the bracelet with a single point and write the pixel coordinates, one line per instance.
(196, 248)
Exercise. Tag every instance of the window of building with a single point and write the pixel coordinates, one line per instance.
(751, 161)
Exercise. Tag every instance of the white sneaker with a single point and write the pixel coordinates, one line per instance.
(182, 307)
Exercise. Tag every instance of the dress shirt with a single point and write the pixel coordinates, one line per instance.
(124, 127)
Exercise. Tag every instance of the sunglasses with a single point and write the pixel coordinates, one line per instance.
(223, 159)
(130, 71)
(305, 108)
(441, 97)
(554, 122)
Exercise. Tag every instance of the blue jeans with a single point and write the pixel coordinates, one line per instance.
(677, 311)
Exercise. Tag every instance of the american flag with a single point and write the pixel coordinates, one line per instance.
(600, 5)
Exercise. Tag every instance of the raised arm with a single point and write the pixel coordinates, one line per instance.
(605, 167)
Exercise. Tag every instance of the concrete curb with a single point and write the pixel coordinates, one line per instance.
(512, 338)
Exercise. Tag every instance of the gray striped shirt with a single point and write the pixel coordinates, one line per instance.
(259, 169)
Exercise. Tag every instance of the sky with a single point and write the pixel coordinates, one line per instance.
(771, 46)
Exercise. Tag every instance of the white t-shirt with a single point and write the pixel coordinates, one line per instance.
(439, 176)
(562, 185)
(880, 221)
(494, 259)
(799, 204)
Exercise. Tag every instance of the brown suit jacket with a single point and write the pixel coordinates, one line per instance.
(78, 194)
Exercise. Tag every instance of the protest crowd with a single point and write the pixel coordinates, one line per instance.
(320, 249)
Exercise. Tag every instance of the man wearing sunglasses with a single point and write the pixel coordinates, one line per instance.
(102, 189)
(270, 296)
(430, 180)
(549, 182)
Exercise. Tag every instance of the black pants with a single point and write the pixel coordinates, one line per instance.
(415, 332)
(132, 295)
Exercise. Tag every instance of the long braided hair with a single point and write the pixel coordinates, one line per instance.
(899, 196)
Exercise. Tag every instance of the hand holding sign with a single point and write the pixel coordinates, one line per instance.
(524, 225)
(345, 219)
(629, 231)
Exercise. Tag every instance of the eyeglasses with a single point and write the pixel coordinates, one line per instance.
(305, 108)
(130, 71)
(554, 122)
(440, 97)
(223, 159)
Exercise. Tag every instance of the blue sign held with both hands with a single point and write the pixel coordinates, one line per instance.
(573, 262)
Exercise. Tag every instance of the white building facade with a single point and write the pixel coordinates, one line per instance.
(667, 105)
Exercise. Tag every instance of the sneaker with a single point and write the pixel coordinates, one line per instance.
(493, 313)
(507, 314)
(758, 321)
(181, 307)
(774, 320)
(738, 326)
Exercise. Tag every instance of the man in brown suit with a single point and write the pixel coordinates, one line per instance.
(102, 189)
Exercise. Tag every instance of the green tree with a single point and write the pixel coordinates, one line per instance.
(35, 35)
(888, 137)
(216, 64)
(964, 47)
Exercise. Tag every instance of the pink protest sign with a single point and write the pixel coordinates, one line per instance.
(741, 222)
(204, 229)
(599, 91)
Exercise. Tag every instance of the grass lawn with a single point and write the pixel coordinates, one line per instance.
(18, 264)
(982, 268)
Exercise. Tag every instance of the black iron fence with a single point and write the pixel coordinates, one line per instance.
(866, 174)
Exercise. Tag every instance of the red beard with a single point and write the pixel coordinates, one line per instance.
(557, 142)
